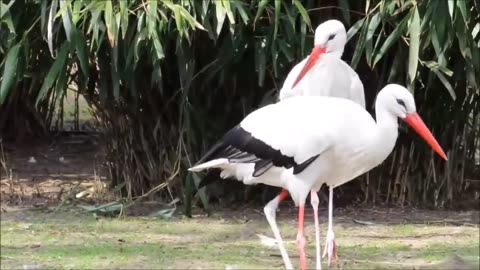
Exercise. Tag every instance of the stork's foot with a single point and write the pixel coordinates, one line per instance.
(330, 248)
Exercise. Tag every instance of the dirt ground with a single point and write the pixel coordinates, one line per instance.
(42, 185)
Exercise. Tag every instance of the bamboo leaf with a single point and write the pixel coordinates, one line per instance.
(261, 60)
(391, 39)
(151, 19)
(228, 9)
(451, 8)
(51, 19)
(290, 17)
(360, 46)
(158, 47)
(241, 10)
(178, 21)
(278, 6)
(261, 8)
(354, 29)
(345, 7)
(436, 66)
(5, 8)
(414, 48)
(303, 34)
(110, 22)
(372, 27)
(189, 18)
(57, 67)
(9, 70)
(284, 47)
(81, 48)
(124, 15)
(463, 9)
(43, 15)
(446, 83)
(201, 192)
(220, 14)
(66, 18)
(303, 12)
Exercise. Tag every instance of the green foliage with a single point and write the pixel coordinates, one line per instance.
(166, 78)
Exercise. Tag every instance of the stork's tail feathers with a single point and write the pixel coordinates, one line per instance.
(210, 164)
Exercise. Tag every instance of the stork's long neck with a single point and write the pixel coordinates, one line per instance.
(337, 53)
(387, 133)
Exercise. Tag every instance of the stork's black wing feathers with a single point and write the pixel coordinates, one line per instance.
(300, 167)
(240, 146)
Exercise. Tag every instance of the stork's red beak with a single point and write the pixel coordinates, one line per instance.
(414, 120)
(312, 59)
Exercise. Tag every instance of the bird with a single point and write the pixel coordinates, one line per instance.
(324, 73)
(304, 141)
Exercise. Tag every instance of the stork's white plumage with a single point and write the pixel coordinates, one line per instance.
(323, 73)
(303, 141)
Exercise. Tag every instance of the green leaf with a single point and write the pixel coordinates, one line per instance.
(414, 48)
(446, 83)
(151, 19)
(9, 70)
(5, 8)
(111, 23)
(189, 18)
(463, 9)
(158, 47)
(201, 192)
(261, 61)
(124, 15)
(66, 18)
(284, 47)
(345, 7)
(290, 17)
(354, 29)
(436, 66)
(104, 208)
(303, 34)
(220, 14)
(116, 83)
(51, 19)
(391, 39)
(303, 12)
(81, 48)
(451, 8)
(260, 9)
(228, 9)
(372, 27)
(243, 14)
(278, 6)
(57, 67)
(360, 45)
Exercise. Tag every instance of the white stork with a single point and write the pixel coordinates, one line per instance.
(324, 73)
(302, 142)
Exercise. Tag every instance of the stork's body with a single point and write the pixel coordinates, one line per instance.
(304, 141)
(330, 76)
(324, 73)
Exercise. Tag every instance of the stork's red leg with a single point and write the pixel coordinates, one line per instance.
(270, 213)
(301, 237)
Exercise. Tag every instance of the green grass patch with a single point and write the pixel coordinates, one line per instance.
(76, 240)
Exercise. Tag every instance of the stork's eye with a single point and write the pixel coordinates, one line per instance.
(401, 102)
(332, 36)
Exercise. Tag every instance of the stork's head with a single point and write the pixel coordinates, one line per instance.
(330, 38)
(398, 101)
